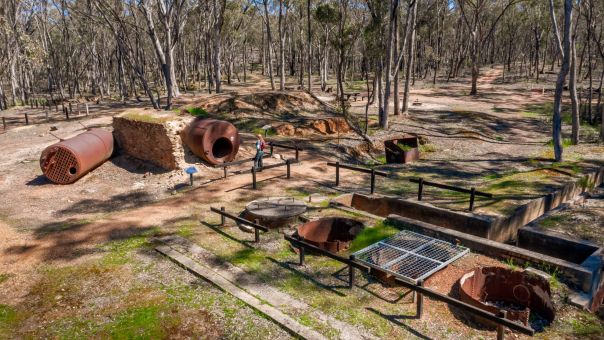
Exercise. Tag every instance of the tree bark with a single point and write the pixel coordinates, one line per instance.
(564, 50)
(410, 55)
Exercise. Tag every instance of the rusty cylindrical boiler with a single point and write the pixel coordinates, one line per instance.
(215, 141)
(68, 160)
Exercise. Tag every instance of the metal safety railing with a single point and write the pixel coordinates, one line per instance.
(287, 164)
(472, 191)
(272, 145)
(372, 172)
(418, 288)
(224, 215)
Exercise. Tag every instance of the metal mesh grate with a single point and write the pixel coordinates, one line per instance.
(62, 166)
(410, 256)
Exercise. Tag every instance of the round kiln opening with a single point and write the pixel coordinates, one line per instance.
(333, 234)
(526, 297)
(222, 147)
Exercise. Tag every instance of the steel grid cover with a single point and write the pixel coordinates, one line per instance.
(410, 256)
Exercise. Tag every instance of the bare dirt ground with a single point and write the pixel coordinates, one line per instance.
(98, 227)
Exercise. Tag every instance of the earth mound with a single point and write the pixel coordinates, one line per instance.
(293, 113)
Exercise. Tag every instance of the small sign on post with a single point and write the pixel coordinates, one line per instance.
(191, 170)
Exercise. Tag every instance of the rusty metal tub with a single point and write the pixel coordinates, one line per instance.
(518, 293)
(333, 234)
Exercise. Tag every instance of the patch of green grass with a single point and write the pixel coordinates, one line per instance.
(187, 230)
(587, 325)
(511, 264)
(72, 328)
(118, 252)
(381, 159)
(4, 277)
(427, 148)
(308, 320)
(566, 142)
(586, 183)
(8, 319)
(539, 110)
(249, 258)
(137, 323)
(372, 235)
(198, 112)
(551, 221)
(405, 147)
(260, 131)
(530, 114)
(146, 118)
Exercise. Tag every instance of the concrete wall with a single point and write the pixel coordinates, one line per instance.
(555, 244)
(505, 229)
(502, 229)
(574, 273)
(384, 206)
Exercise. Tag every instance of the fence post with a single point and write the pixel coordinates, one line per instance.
(500, 328)
(372, 181)
(254, 177)
(4, 123)
(87, 109)
(26, 119)
(222, 218)
(288, 163)
(337, 173)
(351, 273)
(302, 255)
(70, 109)
(472, 194)
(420, 189)
(256, 235)
(420, 301)
(225, 171)
(272, 149)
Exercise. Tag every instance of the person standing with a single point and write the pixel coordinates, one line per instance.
(260, 144)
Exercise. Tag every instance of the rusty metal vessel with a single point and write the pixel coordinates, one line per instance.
(518, 293)
(333, 234)
(215, 141)
(68, 160)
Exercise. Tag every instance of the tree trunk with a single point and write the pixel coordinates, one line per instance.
(281, 49)
(565, 50)
(410, 55)
(270, 45)
(384, 105)
(309, 52)
(572, 87)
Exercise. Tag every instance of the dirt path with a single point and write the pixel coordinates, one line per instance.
(24, 251)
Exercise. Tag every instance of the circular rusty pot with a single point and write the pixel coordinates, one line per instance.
(215, 141)
(518, 293)
(66, 161)
(333, 234)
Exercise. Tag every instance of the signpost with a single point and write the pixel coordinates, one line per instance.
(191, 170)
